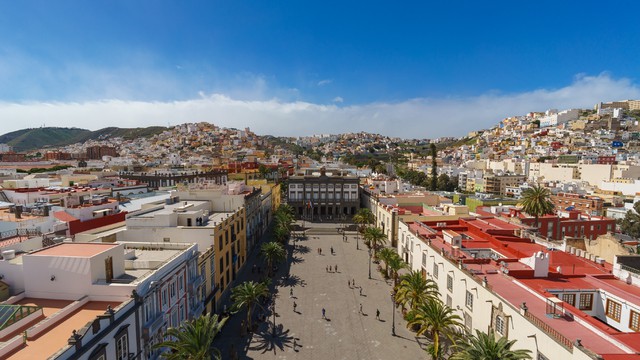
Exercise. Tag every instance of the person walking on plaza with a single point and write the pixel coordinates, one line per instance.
(336, 268)
(323, 314)
(361, 309)
(332, 250)
(353, 282)
(291, 292)
(378, 314)
(295, 306)
(361, 291)
(349, 283)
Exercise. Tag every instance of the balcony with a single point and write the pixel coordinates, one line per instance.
(196, 310)
(195, 283)
(153, 325)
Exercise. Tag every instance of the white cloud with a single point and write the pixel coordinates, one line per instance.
(325, 82)
(338, 99)
(414, 118)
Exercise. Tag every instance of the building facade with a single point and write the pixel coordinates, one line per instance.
(324, 194)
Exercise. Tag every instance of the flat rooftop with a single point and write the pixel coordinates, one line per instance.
(84, 250)
(191, 206)
(56, 336)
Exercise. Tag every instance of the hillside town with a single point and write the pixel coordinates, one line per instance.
(111, 243)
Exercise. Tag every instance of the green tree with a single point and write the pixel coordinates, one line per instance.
(395, 265)
(630, 225)
(273, 253)
(193, 339)
(438, 321)
(363, 218)
(414, 290)
(434, 167)
(536, 202)
(482, 346)
(248, 294)
(374, 238)
(385, 254)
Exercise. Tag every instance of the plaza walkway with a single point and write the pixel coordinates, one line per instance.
(345, 333)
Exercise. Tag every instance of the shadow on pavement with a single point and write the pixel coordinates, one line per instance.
(267, 340)
(301, 249)
(291, 281)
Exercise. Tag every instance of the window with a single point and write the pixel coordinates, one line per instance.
(450, 283)
(435, 270)
(634, 321)
(221, 263)
(164, 297)
(499, 325)
(613, 310)
(449, 301)
(468, 322)
(586, 302)
(424, 258)
(122, 346)
(569, 299)
(180, 283)
(469, 300)
(220, 242)
(541, 357)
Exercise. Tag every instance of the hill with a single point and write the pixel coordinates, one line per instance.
(38, 138)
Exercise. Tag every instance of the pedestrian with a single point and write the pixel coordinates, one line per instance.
(353, 282)
(378, 314)
(327, 268)
(336, 268)
(332, 250)
(291, 292)
(361, 309)
(320, 251)
(349, 283)
(323, 314)
(330, 268)
(294, 306)
(360, 290)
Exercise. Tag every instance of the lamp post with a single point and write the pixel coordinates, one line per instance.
(369, 263)
(273, 310)
(393, 312)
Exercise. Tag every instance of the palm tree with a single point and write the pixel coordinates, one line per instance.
(248, 294)
(536, 201)
(438, 320)
(193, 339)
(482, 346)
(374, 238)
(283, 219)
(273, 252)
(395, 265)
(385, 254)
(414, 290)
(363, 218)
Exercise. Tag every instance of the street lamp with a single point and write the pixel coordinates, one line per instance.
(369, 263)
(393, 312)
(273, 309)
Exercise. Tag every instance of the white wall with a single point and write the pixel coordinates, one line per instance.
(484, 299)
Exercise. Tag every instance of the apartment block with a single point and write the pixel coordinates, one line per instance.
(558, 305)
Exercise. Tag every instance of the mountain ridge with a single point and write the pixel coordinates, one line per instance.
(38, 138)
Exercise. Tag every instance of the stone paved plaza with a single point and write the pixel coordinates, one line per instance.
(345, 333)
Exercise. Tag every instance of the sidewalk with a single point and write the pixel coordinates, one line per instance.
(345, 333)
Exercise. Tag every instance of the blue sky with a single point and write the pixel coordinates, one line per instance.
(411, 69)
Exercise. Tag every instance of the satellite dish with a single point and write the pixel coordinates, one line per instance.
(559, 269)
